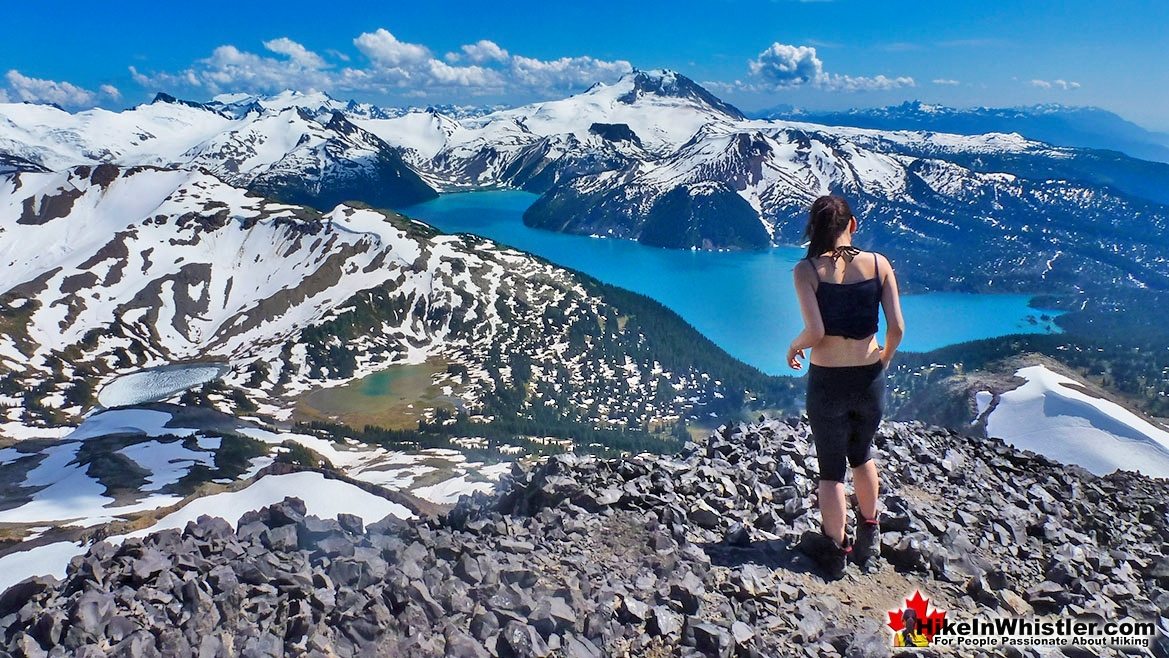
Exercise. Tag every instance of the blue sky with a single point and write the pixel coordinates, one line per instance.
(823, 54)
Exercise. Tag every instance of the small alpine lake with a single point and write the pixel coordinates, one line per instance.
(392, 398)
(743, 301)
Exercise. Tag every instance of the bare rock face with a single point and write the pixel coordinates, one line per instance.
(584, 557)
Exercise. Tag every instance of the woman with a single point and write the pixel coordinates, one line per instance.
(910, 635)
(840, 288)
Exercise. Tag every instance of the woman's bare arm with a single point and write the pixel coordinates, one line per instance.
(805, 283)
(891, 303)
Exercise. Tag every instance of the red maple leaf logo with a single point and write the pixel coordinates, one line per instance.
(931, 620)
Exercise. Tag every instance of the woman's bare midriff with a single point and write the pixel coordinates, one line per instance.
(840, 352)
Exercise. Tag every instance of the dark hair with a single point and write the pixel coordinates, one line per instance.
(912, 623)
(827, 219)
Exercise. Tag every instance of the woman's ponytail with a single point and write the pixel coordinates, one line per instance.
(827, 219)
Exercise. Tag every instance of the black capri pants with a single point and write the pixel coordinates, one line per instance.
(844, 408)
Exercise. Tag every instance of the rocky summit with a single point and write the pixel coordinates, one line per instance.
(694, 554)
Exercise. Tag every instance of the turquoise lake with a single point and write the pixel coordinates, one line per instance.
(743, 301)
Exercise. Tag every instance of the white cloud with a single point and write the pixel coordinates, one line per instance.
(1054, 84)
(110, 91)
(481, 51)
(296, 53)
(36, 90)
(386, 50)
(231, 69)
(784, 66)
(945, 81)
(565, 72)
(391, 66)
(3, 96)
(723, 86)
(788, 66)
(463, 76)
(836, 82)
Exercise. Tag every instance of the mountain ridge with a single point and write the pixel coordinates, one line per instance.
(603, 159)
(162, 265)
(1065, 125)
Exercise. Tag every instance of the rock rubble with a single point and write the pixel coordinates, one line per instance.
(685, 555)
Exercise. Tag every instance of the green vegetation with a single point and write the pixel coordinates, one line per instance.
(681, 347)
(393, 398)
(684, 218)
(296, 453)
(580, 394)
(232, 460)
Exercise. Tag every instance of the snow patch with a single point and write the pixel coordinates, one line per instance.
(1047, 415)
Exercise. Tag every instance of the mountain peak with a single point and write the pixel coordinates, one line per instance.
(165, 98)
(671, 84)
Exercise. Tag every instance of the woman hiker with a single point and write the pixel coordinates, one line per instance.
(840, 288)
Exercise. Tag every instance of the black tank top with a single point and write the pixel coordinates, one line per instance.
(850, 309)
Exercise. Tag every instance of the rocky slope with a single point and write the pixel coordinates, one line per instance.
(690, 555)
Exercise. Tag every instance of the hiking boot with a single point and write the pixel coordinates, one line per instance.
(868, 540)
(826, 553)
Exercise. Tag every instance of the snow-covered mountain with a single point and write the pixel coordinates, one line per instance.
(1038, 403)
(107, 269)
(642, 116)
(322, 104)
(947, 225)
(275, 147)
(655, 157)
(1088, 127)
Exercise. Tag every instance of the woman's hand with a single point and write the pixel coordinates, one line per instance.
(793, 358)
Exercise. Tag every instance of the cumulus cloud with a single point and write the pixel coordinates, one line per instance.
(296, 53)
(784, 66)
(231, 69)
(66, 94)
(788, 66)
(481, 51)
(724, 86)
(945, 81)
(565, 72)
(384, 49)
(390, 65)
(1055, 84)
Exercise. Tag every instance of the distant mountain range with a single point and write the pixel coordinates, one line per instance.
(292, 148)
(657, 158)
(1087, 127)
